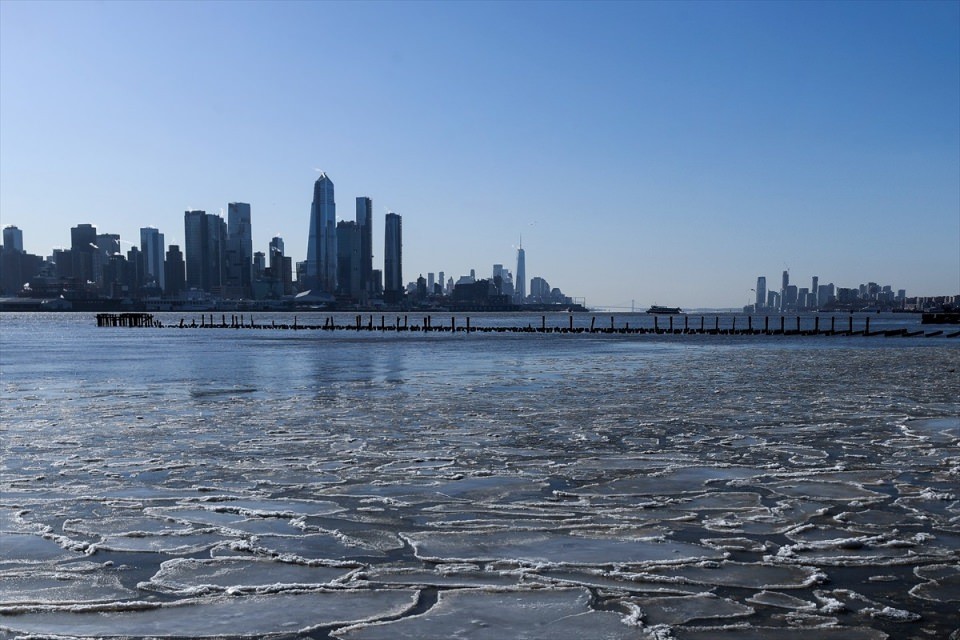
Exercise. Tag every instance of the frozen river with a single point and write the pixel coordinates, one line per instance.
(241, 483)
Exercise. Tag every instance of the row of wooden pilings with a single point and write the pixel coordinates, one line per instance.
(782, 328)
(135, 320)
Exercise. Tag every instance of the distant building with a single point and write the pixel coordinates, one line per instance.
(280, 272)
(174, 273)
(17, 268)
(521, 285)
(13, 238)
(789, 301)
(136, 279)
(108, 245)
(393, 258)
(825, 295)
(151, 244)
(349, 244)
(773, 300)
(539, 289)
(784, 296)
(365, 224)
(322, 241)
(814, 289)
(239, 252)
(761, 292)
(205, 237)
(478, 293)
(83, 248)
(259, 265)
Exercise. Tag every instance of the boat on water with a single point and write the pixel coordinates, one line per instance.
(664, 310)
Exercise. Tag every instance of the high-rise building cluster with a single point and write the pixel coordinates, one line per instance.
(217, 262)
(828, 297)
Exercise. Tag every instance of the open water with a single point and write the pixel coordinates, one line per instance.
(242, 483)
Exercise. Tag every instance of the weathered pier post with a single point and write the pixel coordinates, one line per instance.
(782, 321)
(850, 325)
(671, 324)
(453, 324)
(468, 324)
(571, 322)
(543, 323)
(656, 325)
(766, 324)
(866, 328)
(593, 320)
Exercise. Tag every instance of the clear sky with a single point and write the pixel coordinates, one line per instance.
(665, 153)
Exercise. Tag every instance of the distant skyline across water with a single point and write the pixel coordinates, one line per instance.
(648, 152)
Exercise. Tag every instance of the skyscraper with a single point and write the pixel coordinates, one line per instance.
(151, 244)
(13, 238)
(521, 283)
(322, 242)
(365, 222)
(174, 272)
(814, 291)
(784, 283)
(239, 256)
(348, 258)
(761, 292)
(83, 247)
(393, 258)
(205, 236)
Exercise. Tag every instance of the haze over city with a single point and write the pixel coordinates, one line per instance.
(654, 152)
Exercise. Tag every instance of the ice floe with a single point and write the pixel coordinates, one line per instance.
(245, 616)
(537, 547)
(558, 614)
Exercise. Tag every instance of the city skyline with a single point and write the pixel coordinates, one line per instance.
(654, 152)
(218, 262)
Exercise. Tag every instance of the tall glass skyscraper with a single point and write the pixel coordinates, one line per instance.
(521, 284)
(365, 222)
(151, 244)
(239, 248)
(322, 242)
(392, 258)
(205, 239)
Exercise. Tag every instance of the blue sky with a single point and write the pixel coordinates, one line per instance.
(656, 152)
